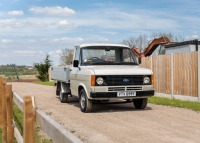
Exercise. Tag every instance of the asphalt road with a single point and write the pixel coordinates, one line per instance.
(117, 123)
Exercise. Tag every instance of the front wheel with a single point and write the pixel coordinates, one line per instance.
(85, 103)
(140, 103)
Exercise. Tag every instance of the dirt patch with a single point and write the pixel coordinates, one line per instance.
(117, 123)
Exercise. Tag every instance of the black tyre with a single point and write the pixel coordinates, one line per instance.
(58, 89)
(63, 97)
(140, 103)
(85, 103)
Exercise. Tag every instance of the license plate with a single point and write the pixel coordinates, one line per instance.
(126, 94)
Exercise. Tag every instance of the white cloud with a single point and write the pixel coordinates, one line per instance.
(55, 53)
(6, 41)
(52, 10)
(68, 40)
(109, 33)
(102, 39)
(16, 13)
(192, 37)
(10, 23)
(64, 24)
(195, 36)
(27, 53)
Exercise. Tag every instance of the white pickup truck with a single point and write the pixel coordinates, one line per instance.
(101, 73)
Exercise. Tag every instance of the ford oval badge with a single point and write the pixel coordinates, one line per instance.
(125, 80)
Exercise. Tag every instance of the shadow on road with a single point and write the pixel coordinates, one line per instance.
(106, 106)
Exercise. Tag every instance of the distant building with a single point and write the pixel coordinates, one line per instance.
(181, 47)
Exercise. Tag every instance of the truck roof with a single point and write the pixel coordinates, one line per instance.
(102, 44)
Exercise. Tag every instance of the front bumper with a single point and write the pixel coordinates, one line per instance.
(113, 95)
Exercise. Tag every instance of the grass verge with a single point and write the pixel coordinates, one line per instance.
(1, 135)
(49, 83)
(18, 117)
(175, 103)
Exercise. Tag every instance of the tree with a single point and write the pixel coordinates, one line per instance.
(139, 42)
(66, 56)
(43, 68)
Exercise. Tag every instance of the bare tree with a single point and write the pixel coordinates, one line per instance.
(66, 56)
(139, 42)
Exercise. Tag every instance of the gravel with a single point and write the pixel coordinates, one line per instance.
(116, 123)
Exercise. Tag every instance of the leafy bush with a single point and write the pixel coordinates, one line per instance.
(43, 68)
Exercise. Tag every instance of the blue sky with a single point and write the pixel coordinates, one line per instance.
(30, 29)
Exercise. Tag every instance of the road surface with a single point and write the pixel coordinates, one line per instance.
(117, 123)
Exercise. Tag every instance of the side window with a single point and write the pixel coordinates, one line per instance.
(77, 54)
(127, 56)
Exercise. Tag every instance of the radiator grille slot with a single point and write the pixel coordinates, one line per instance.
(116, 88)
(134, 88)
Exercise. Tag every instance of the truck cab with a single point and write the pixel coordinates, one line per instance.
(104, 72)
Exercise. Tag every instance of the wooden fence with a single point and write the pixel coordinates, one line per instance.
(31, 115)
(176, 74)
(6, 116)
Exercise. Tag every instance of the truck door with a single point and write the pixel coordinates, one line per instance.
(74, 73)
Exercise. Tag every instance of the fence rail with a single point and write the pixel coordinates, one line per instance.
(54, 130)
(176, 74)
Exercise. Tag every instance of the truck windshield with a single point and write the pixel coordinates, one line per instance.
(107, 56)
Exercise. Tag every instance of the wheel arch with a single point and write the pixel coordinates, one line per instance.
(80, 87)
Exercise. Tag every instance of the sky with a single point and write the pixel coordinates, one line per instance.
(31, 29)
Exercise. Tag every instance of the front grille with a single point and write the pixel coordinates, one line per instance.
(113, 80)
(125, 88)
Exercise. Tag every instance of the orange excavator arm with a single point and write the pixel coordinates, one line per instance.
(154, 44)
(151, 47)
(136, 52)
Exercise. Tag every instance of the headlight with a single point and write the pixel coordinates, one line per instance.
(99, 80)
(146, 80)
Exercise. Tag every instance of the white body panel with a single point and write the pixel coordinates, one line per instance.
(60, 74)
(120, 70)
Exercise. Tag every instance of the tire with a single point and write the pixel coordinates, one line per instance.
(140, 103)
(63, 97)
(85, 103)
(58, 89)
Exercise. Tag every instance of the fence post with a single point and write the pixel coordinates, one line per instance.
(4, 114)
(29, 120)
(1, 98)
(172, 76)
(10, 127)
(198, 62)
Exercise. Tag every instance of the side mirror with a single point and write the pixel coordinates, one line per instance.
(139, 60)
(75, 63)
